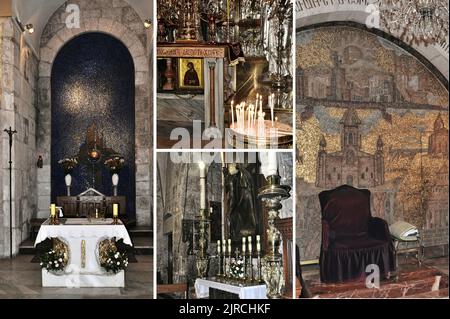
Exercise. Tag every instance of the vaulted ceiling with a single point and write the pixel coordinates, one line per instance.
(38, 12)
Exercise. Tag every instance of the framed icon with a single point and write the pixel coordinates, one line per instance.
(190, 74)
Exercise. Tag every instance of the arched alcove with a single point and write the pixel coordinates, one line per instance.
(128, 28)
(92, 85)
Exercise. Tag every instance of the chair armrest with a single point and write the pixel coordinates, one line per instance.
(325, 235)
(379, 229)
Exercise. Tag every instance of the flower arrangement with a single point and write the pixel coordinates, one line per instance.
(53, 260)
(112, 259)
(114, 164)
(115, 262)
(68, 164)
(237, 268)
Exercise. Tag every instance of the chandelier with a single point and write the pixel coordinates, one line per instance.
(416, 21)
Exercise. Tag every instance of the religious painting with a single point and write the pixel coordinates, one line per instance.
(190, 74)
(370, 115)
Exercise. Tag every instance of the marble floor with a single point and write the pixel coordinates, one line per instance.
(19, 278)
(411, 281)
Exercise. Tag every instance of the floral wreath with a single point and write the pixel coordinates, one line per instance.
(112, 259)
(56, 258)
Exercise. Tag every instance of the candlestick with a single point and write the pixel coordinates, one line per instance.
(224, 246)
(229, 246)
(249, 244)
(243, 245)
(218, 247)
(201, 167)
(258, 243)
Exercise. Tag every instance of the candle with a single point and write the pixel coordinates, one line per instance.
(243, 245)
(201, 167)
(249, 243)
(218, 247)
(52, 210)
(229, 246)
(271, 108)
(258, 247)
(232, 112)
(224, 246)
(115, 210)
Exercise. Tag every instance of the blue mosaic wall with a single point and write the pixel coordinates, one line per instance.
(93, 83)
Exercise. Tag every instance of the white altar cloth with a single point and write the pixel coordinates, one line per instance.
(245, 292)
(73, 231)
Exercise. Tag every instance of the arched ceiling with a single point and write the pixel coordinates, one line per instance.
(38, 12)
(308, 14)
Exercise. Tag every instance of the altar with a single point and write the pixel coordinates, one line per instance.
(243, 290)
(83, 236)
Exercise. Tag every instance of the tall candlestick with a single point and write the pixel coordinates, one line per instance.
(249, 244)
(224, 246)
(229, 246)
(218, 247)
(201, 167)
(243, 245)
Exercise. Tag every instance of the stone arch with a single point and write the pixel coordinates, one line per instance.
(133, 35)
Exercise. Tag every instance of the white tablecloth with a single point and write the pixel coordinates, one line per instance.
(246, 292)
(73, 231)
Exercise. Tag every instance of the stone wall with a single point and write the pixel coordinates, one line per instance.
(19, 68)
(178, 199)
(118, 19)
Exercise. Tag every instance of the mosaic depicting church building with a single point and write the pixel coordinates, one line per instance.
(351, 165)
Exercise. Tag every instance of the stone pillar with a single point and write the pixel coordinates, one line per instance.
(218, 92)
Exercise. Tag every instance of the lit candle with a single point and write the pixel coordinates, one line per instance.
(229, 246)
(218, 247)
(258, 243)
(115, 210)
(249, 244)
(271, 108)
(201, 167)
(52, 210)
(243, 245)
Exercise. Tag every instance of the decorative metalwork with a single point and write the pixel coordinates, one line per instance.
(277, 19)
(416, 21)
(202, 258)
(272, 272)
(83, 253)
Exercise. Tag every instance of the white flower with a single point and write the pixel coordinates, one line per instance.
(41, 264)
(56, 265)
(118, 263)
(116, 255)
(60, 260)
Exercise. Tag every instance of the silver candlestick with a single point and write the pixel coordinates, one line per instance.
(272, 272)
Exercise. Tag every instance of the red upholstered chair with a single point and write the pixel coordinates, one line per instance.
(351, 237)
